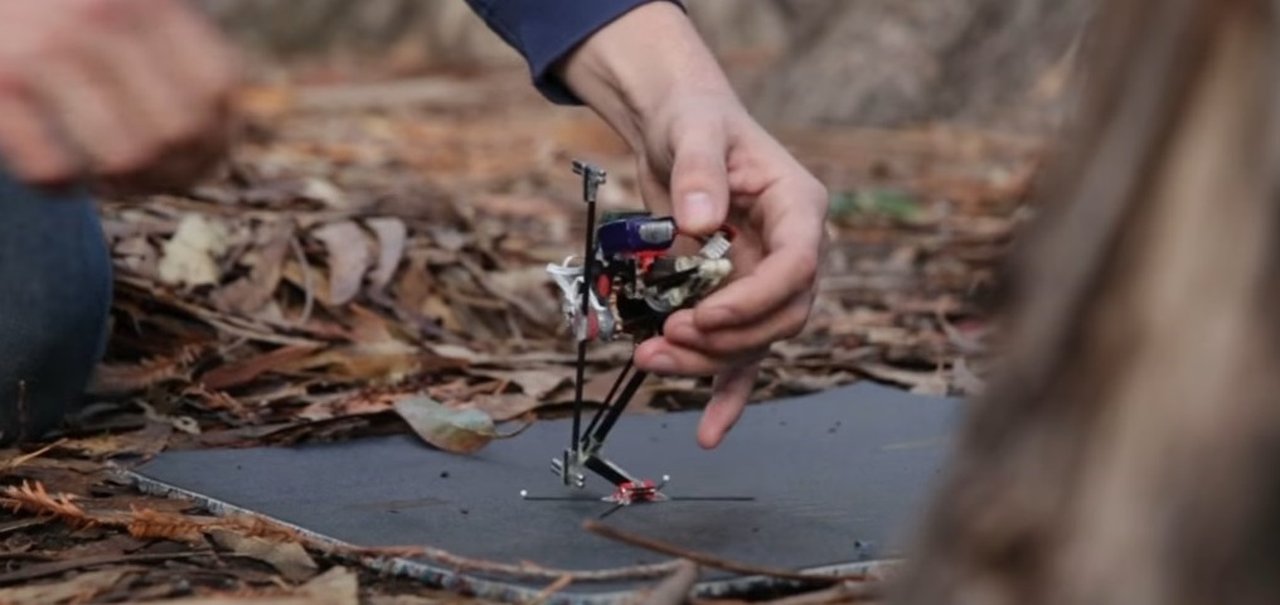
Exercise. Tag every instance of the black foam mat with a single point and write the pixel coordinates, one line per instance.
(837, 480)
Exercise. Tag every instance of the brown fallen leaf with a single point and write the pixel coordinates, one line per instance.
(81, 588)
(147, 441)
(458, 430)
(138, 256)
(240, 372)
(391, 233)
(536, 383)
(265, 261)
(118, 379)
(288, 558)
(504, 406)
(920, 383)
(349, 259)
(33, 498)
(337, 586)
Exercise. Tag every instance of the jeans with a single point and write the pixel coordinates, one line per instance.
(55, 296)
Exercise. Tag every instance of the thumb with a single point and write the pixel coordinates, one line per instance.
(700, 182)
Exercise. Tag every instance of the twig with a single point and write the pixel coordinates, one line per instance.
(711, 561)
(23, 459)
(41, 570)
(146, 522)
(551, 590)
(524, 571)
(19, 524)
(675, 589)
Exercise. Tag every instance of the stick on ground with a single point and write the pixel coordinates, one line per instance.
(712, 561)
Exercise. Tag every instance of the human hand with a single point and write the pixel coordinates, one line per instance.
(111, 90)
(703, 159)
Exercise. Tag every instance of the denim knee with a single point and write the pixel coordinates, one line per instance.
(55, 297)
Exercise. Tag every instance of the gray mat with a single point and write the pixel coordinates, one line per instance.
(837, 479)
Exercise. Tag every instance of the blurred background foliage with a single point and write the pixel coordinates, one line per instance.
(885, 63)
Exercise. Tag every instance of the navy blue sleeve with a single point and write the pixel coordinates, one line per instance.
(545, 31)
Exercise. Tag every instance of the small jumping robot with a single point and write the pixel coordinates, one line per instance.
(626, 285)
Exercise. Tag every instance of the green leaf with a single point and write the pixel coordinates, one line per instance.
(890, 203)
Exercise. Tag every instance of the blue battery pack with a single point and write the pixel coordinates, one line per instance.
(634, 234)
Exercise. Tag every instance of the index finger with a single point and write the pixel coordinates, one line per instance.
(793, 216)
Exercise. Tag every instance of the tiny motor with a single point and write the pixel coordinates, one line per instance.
(637, 283)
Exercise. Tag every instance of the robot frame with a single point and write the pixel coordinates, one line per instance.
(625, 285)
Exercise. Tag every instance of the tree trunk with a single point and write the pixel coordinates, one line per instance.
(1128, 454)
(888, 63)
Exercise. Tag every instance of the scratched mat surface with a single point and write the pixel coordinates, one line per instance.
(836, 478)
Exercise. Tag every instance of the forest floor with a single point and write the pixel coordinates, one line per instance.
(371, 242)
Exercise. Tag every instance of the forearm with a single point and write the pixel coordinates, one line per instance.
(632, 68)
(544, 32)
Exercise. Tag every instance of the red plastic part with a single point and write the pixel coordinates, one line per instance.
(629, 493)
(644, 260)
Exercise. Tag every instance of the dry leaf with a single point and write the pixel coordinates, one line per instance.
(146, 523)
(265, 261)
(325, 192)
(190, 256)
(237, 373)
(118, 379)
(505, 406)
(80, 588)
(288, 558)
(147, 441)
(536, 383)
(391, 234)
(358, 405)
(137, 255)
(349, 259)
(457, 430)
(920, 383)
(32, 498)
(337, 586)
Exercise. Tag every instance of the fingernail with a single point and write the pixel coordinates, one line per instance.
(699, 213)
(662, 363)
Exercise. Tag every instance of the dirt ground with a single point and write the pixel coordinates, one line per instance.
(372, 241)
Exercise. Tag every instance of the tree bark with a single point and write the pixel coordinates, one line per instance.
(1128, 453)
(890, 63)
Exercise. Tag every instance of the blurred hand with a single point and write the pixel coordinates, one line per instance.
(704, 160)
(110, 89)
